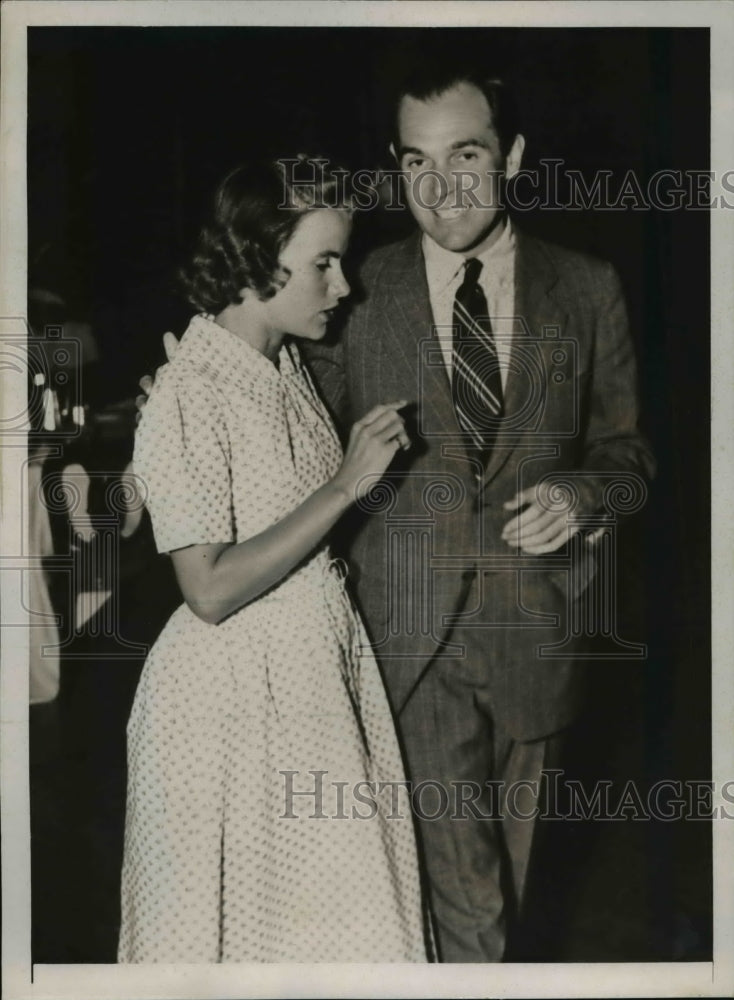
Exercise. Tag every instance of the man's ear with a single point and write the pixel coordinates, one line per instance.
(514, 157)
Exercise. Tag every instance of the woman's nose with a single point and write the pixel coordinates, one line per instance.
(340, 286)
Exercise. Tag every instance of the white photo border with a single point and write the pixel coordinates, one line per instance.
(513, 980)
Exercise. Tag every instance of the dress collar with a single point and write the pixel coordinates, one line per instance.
(224, 354)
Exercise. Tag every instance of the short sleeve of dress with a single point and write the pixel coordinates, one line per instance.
(182, 455)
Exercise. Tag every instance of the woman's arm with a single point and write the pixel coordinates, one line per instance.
(217, 579)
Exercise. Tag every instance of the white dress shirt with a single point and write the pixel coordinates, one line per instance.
(445, 273)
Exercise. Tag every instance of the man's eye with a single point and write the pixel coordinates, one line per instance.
(414, 164)
(467, 155)
(324, 265)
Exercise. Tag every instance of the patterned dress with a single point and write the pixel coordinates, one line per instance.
(255, 831)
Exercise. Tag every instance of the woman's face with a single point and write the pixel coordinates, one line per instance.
(313, 256)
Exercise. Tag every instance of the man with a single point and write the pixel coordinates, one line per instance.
(517, 357)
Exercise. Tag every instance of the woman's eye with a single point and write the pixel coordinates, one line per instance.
(324, 265)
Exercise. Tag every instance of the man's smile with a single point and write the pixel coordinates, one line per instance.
(450, 213)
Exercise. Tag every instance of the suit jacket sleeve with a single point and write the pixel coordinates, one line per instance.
(613, 442)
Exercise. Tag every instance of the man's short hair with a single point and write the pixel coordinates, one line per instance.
(434, 77)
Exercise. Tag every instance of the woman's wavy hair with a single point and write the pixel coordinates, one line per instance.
(257, 208)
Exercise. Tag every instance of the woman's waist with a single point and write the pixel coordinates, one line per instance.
(316, 583)
(320, 572)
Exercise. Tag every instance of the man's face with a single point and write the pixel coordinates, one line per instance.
(450, 155)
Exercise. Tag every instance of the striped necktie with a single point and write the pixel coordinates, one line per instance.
(476, 384)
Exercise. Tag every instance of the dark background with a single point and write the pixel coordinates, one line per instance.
(128, 131)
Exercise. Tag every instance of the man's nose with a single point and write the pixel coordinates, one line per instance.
(438, 188)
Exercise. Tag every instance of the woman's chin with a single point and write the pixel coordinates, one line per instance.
(316, 332)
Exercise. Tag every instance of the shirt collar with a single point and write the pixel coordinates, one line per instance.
(443, 266)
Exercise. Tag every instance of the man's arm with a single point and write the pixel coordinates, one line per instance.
(612, 441)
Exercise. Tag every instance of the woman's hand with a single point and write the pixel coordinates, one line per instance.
(373, 442)
(217, 579)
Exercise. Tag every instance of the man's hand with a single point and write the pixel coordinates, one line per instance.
(547, 521)
(170, 346)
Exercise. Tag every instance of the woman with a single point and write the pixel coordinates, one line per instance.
(260, 708)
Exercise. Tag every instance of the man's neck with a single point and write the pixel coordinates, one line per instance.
(493, 236)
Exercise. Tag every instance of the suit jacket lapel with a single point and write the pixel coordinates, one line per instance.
(410, 341)
(535, 309)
